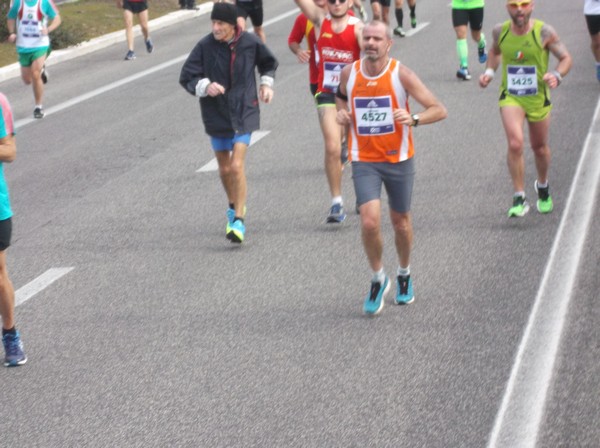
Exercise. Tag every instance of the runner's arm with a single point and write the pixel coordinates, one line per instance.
(344, 118)
(560, 52)
(311, 11)
(434, 109)
(494, 59)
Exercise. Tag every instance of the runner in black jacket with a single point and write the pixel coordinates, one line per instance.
(221, 71)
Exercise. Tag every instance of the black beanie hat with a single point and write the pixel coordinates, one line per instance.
(224, 12)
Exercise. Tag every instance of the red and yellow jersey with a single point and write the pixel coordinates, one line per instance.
(336, 50)
(303, 28)
(374, 135)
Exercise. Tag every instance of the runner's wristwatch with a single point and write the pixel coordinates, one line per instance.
(415, 119)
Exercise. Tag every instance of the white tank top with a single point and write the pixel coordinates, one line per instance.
(31, 21)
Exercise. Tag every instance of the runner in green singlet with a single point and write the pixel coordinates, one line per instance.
(523, 45)
(468, 13)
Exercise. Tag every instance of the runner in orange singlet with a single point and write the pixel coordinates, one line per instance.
(372, 101)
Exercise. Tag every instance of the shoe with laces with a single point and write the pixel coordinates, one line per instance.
(519, 208)
(463, 73)
(236, 231)
(398, 31)
(482, 52)
(13, 349)
(336, 214)
(544, 202)
(374, 301)
(404, 290)
(130, 56)
(38, 112)
(149, 46)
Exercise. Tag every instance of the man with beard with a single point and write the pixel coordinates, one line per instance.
(523, 45)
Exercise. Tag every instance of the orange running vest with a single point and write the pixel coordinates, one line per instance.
(374, 135)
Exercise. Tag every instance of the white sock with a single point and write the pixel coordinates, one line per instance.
(337, 200)
(541, 185)
(379, 276)
(403, 271)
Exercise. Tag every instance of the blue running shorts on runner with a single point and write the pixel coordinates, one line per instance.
(226, 143)
(398, 179)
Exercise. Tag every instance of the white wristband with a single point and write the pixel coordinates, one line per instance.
(490, 72)
(558, 76)
(267, 81)
(201, 87)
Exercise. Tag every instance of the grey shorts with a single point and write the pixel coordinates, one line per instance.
(398, 179)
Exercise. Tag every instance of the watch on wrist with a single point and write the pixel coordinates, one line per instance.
(415, 119)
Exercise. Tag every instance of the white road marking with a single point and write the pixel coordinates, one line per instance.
(420, 27)
(518, 421)
(213, 166)
(43, 281)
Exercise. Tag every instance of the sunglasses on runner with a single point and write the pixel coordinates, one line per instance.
(332, 2)
(515, 5)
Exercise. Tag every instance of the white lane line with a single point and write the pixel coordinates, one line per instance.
(420, 27)
(81, 98)
(43, 281)
(518, 421)
(101, 90)
(213, 166)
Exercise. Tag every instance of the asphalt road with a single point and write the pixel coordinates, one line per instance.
(159, 332)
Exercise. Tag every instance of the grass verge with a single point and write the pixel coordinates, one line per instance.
(86, 19)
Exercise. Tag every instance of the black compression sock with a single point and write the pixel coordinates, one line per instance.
(399, 16)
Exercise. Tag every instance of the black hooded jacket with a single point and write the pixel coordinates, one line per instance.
(233, 65)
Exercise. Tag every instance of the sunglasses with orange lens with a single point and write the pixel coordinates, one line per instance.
(515, 5)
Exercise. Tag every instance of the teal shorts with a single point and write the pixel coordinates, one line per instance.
(26, 59)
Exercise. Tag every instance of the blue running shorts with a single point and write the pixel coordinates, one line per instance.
(226, 143)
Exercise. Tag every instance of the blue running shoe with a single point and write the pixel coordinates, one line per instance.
(13, 348)
(404, 292)
(236, 231)
(336, 215)
(463, 73)
(598, 72)
(374, 301)
(482, 55)
(130, 56)
(231, 215)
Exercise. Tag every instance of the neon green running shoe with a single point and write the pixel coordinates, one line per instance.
(519, 208)
(544, 202)
(413, 21)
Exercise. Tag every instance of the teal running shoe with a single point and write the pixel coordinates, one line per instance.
(544, 202)
(236, 231)
(404, 290)
(374, 301)
(13, 349)
(231, 215)
(519, 208)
